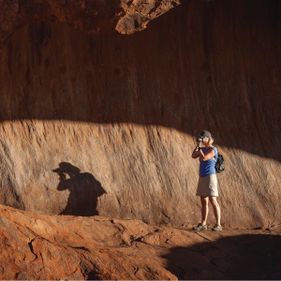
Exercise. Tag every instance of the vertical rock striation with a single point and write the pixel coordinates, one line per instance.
(105, 124)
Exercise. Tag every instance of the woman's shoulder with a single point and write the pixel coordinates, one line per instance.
(212, 147)
(209, 149)
(215, 150)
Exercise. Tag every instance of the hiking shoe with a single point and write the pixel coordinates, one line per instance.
(200, 227)
(217, 228)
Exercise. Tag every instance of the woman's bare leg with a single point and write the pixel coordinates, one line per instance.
(204, 209)
(217, 209)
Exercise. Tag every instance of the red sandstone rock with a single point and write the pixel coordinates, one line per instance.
(88, 16)
(35, 246)
(121, 111)
(139, 13)
(104, 125)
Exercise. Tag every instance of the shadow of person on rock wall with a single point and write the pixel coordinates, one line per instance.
(84, 190)
(250, 256)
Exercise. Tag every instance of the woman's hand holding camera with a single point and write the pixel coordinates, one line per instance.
(197, 152)
(199, 141)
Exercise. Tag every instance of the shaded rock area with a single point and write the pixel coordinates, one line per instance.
(36, 246)
(122, 112)
(89, 16)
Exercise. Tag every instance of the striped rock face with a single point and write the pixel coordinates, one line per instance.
(93, 122)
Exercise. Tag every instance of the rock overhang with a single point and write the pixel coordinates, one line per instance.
(92, 17)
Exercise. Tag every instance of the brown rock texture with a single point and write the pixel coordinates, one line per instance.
(138, 13)
(89, 16)
(105, 124)
(41, 247)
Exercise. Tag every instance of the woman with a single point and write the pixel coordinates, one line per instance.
(208, 183)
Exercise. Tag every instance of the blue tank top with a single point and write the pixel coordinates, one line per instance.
(208, 167)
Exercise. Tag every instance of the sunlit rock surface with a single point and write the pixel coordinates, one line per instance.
(105, 124)
(41, 247)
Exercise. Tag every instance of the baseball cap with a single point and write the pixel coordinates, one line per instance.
(205, 133)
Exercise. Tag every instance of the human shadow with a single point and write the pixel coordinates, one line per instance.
(252, 256)
(84, 190)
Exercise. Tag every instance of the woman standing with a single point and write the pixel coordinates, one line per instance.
(208, 183)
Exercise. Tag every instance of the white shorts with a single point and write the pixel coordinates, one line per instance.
(208, 186)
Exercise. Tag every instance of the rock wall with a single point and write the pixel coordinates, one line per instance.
(91, 17)
(105, 124)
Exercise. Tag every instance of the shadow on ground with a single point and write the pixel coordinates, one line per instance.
(239, 257)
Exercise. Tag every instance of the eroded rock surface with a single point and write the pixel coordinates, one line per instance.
(138, 13)
(91, 17)
(37, 247)
(105, 124)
